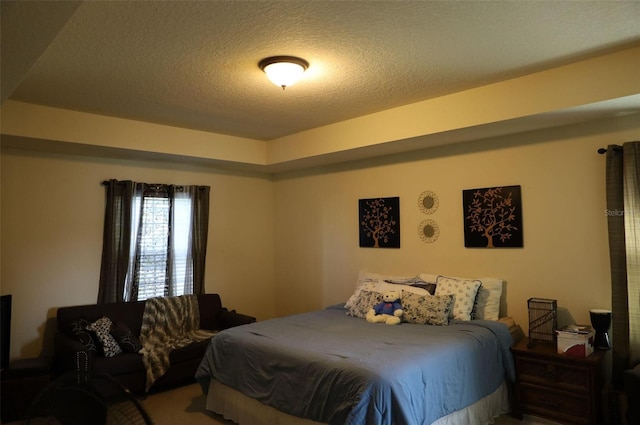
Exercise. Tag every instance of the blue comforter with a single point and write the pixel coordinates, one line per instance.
(333, 368)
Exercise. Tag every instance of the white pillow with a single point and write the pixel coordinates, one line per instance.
(465, 292)
(488, 299)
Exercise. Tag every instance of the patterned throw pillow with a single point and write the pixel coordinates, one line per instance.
(78, 328)
(465, 292)
(426, 309)
(125, 338)
(102, 327)
(363, 303)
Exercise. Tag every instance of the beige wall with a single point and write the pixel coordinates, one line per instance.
(290, 244)
(52, 217)
(565, 254)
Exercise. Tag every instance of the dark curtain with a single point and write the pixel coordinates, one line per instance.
(200, 220)
(121, 241)
(623, 216)
(116, 241)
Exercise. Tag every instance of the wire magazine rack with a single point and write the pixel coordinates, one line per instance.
(543, 320)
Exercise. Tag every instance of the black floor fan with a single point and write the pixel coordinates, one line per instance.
(86, 399)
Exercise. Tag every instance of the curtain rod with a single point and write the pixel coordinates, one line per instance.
(106, 183)
(602, 151)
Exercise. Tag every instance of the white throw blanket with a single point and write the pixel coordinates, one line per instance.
(168, 323)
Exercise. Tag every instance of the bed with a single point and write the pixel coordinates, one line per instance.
(331, 366)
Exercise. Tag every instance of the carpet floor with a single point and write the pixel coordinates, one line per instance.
(185, 405)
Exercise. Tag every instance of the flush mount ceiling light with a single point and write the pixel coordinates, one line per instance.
(283, 71)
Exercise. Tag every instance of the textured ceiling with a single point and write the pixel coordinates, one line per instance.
(193, 64)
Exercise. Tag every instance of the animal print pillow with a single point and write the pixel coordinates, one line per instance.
(102, 328)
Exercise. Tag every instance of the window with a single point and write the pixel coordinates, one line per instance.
(151, 273)
(160, 243)
(155, 241)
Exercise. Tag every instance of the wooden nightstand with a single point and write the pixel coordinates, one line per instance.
(556, 386)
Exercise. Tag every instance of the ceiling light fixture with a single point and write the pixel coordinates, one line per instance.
(283, 71)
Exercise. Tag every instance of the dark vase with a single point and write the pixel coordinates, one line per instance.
(601, 321)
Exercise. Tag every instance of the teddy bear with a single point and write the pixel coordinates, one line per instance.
(388, 311)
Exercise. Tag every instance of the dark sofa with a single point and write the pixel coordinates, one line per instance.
(71, 354)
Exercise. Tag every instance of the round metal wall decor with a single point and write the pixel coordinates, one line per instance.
(428, 231)
(428, 202)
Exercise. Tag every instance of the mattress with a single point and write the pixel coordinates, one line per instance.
(237, 407)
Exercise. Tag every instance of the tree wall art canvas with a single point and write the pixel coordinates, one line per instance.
(493, 217)
(379, 221)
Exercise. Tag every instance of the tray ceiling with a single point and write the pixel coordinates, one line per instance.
(193, 64)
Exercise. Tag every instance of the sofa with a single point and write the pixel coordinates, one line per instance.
(80, 352)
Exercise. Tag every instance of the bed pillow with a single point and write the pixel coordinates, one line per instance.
(381, 286)
(372, 277)
(429, 287)
(364, 302)
(426, 309)
(488, 299)
(374, 286)
(416, 281)
(463, 290)
(427, 281)
(428, 277)
(102, 328)
(366, 278)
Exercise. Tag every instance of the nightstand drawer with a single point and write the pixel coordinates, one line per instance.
(556, 386)
(563, 376)
(555, 404)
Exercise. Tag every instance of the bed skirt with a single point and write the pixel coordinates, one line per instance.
(243, 410)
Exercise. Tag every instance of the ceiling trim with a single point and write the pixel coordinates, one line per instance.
(586, 82)
(601, 87)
